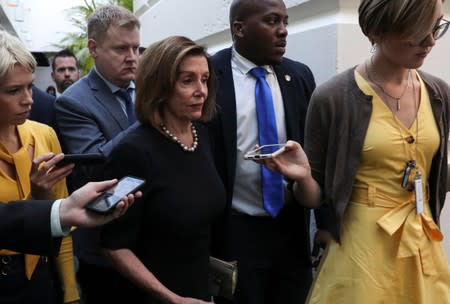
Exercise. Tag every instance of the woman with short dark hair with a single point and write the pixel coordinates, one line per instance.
(162, 244)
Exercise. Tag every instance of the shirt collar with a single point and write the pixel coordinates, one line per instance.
(112, 86)
(244, 65)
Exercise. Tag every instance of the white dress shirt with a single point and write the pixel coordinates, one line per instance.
(247, 196)
(55, 221)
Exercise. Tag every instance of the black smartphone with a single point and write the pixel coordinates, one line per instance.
(82, 159)
(108, 200)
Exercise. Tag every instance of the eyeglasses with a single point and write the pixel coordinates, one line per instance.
(437, 32)
(441, 29)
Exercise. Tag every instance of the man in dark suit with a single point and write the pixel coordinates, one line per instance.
(43, 108)
(92, 115)
(35, 226)
(272, 250)
(65, 70)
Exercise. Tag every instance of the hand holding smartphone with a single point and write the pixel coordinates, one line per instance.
(265, 151)
(108, 200)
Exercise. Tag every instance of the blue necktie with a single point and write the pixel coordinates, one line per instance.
(129, 107)
(271, 182)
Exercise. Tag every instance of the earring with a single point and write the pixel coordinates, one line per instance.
(373, 48)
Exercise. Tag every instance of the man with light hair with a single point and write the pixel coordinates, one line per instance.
(92, 115)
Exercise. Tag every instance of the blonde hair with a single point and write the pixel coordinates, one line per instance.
(12, 52)
(157, 74)
(409, 19)
(109, 15)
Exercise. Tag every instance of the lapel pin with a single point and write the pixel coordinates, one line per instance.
(287, 77)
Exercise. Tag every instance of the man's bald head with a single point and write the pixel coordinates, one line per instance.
(242, 9)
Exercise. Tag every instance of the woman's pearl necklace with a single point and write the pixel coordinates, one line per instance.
(175, 139)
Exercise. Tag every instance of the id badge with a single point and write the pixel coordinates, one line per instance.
(418, 189)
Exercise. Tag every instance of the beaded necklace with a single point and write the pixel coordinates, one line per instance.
(175, 139)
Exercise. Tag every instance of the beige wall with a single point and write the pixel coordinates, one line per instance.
(322, 33)
(353, 47)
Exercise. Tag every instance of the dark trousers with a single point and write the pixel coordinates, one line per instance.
(273, 257)
(98, 284)
(15, 288)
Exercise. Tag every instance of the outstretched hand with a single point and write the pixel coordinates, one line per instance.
(292, 163)
(73, 213)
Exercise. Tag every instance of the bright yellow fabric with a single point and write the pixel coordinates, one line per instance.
(388, 253)
(386, 151)
(38, 139)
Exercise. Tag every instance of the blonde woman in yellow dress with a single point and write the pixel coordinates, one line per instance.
(376, 157)
(28, 152)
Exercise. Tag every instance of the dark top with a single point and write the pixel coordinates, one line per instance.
(169, 227)
(43, 108)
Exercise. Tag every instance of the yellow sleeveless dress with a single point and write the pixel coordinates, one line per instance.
(389, 254)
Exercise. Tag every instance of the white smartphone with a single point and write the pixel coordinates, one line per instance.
(265, 151)
(108, 200)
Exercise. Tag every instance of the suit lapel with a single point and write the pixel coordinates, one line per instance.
(107, 100)
(288, 92)
(227, 108)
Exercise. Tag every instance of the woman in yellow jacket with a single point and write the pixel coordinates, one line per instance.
(27, 170)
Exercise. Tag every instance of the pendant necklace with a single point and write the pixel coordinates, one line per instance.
(176, 140)
(379, 86)
(417, 183)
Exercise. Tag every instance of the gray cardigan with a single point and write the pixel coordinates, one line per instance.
(336, 125)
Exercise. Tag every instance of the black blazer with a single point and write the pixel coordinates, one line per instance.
(296, 84)
(43, 108)
(25, 227)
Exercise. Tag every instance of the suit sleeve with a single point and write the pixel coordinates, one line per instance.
(78, 127)
(83, 129)
(25, 227)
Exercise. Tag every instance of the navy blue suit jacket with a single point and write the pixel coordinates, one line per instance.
(43, 108)
(25, 227)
